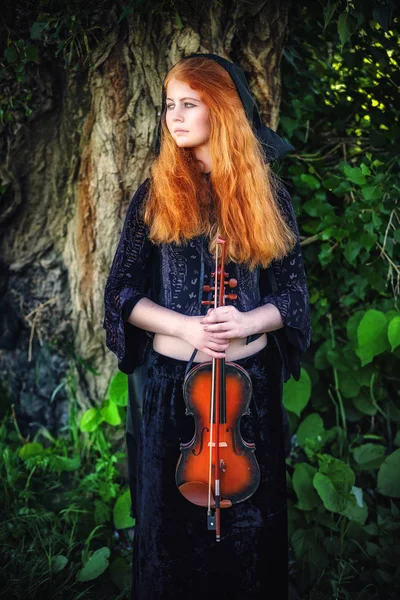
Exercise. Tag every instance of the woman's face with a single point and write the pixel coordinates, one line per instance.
(185, 110)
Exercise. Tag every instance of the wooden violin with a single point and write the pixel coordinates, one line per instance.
(217, 468)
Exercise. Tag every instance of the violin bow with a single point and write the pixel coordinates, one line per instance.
(219, 300)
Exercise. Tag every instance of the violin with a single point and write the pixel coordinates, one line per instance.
(217, 468)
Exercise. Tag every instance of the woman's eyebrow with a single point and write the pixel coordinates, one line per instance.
(186, 98)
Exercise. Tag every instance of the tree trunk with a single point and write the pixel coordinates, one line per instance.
(70, 173)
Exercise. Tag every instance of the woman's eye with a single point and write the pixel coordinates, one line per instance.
(186, 104)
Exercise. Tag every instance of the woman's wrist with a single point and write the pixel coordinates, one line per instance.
(263, 319)
(181, 326)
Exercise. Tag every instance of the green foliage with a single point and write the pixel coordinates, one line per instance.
(341, 113)
(122, 519)
(96, 564)
(64, 500)
(110, 412)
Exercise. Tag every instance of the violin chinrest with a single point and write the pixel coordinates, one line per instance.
(197, 493)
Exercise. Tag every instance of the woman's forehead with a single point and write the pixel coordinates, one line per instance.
(180, 89)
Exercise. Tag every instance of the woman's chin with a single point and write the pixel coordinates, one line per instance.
(184, 143)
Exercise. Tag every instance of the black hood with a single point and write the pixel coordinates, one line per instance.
(274, 147)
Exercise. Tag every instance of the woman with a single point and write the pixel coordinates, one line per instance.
(210, 176)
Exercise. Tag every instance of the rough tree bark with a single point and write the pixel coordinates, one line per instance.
(71, 172)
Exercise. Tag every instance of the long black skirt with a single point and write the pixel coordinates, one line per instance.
(175, 556)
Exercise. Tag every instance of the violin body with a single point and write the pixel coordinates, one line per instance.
(239, 469)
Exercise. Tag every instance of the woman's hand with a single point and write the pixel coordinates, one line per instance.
(194, 333)
(227, 323)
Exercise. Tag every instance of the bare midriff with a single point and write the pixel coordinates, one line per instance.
(174, 347)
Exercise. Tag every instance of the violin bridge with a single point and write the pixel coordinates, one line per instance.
(221, 444)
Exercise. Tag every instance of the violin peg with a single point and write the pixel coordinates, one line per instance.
(232, 283)
(231, 296)
(208, 288)
(207, 302)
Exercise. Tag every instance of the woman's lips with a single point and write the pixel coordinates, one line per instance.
(180, 131)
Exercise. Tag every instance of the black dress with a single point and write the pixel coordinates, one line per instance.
(175, 556)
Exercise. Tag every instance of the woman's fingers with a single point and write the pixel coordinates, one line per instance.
(217, 327)
(214, 354)
(217, 346)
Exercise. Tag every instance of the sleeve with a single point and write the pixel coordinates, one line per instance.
(288, 291)
(128, 282)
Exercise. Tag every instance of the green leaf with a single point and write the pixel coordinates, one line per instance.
(30, 449)
(331, 182)
(371, 529)
(90, 420)
(316, 207)
(355, 175)
(372, 336)
(32, 53)
(369, 456)
(102, 512)
(58, 563)
(348, 384)
(36, 30)
(303, 486)
(346, 27)
(95, 566)
(325, 255)
(394, 332)
(64, 463)
(289, 125)
(11, 54)
(365, 169)
(368, 240)
(335, 485)
(110, 413)
(364, 404)
(389, 476)
(121, 513)
(353, 323)
(296, 394)
(118, 389)
(120, 573)
(328, 12)
(337, 359)
(178, 21)
(352, 250)
(341, 475)
(377, 221)
(372, 193)
(364, 375)
(329, 495)
(311, 427)
(356, 509)
(310, 181)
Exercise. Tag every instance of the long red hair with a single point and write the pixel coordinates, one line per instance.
(244, 209)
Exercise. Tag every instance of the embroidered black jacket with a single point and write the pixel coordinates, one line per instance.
(173, 275)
